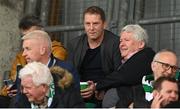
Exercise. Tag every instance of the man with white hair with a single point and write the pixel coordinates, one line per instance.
(40, 89)
(37, 47)
(136, 62)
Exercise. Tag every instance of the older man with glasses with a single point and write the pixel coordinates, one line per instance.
(167, 66)
(164, 64)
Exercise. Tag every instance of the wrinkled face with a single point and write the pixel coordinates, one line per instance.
(31, 50)
(128, 44)
(169, 92)
(94, 26)
(162, 66)
(34, 93)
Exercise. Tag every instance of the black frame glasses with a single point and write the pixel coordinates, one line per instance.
(167, 66)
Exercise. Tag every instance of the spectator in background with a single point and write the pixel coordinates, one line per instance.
(164, 64)
(27, 24)
(165, 91)
(95, 54)
(30, 23)
(37, 47)
(44, 89)
(136, 59)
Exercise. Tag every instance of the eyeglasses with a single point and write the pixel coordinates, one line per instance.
(167, 66)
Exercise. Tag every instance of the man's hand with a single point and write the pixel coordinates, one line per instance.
(88, 92)
(157, 101)
(10, 92)
(99, 95)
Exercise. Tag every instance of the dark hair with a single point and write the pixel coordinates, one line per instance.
(95, 10)
(158, 83)
(28, 21)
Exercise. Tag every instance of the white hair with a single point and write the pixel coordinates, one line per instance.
(40, 35)
(39, 72)
(139, 33)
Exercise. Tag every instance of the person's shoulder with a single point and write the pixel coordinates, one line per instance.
(61, 62)
(80, 37)
(109, 33)
(110, 37)
(64, 64)
(148, 50)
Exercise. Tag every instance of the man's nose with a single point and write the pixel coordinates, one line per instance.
(174, 95)
(170, 71)
(121, 44)
(91, 26)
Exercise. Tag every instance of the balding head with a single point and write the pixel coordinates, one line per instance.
(165, 63)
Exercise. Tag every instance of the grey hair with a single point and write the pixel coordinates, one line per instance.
(40, 35)
(139, 33)
(39, 72)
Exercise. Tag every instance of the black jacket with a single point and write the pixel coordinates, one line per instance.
(129, 76)
(110, 54)
(131, 72)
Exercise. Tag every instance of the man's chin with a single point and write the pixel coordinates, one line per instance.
(29, 61)
(30, 99)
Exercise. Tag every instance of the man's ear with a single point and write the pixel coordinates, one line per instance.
(155, 92)
(105, 25)
(42, 50)
(152, 65)
(141, 44)
(45, 88)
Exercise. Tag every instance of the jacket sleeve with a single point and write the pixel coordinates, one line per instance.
(73, 99)
(129, 73)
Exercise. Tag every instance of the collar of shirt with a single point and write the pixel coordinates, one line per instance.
(48, 61)
(129, 56)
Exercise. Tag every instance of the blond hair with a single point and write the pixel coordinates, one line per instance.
(41, 36)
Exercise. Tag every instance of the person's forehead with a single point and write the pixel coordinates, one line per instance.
(168, 85)
(32, 40)
(31, 43)
(127, 35)
(94, 16)
(27, 80)
(124, 33)
(168, 57)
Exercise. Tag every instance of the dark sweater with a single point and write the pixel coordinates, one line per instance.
(131, 72)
